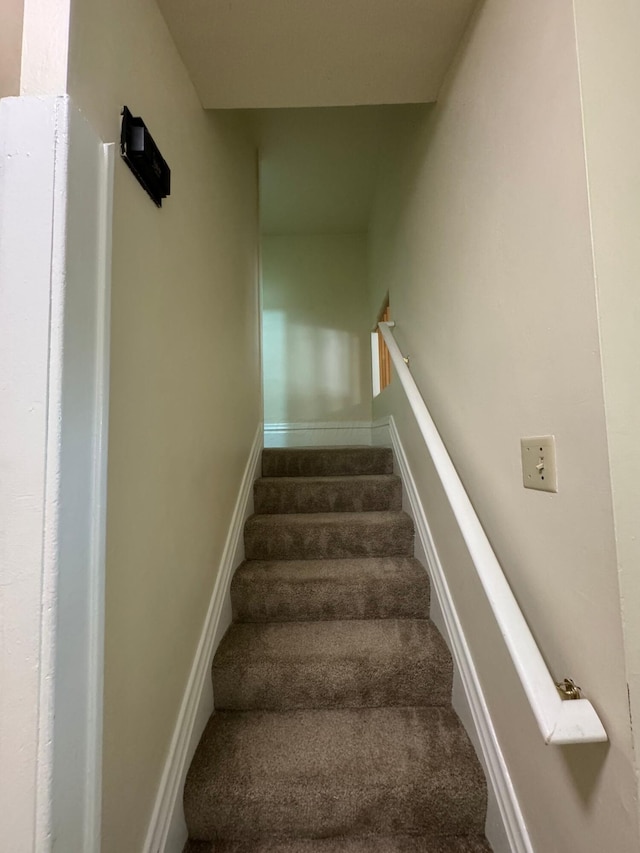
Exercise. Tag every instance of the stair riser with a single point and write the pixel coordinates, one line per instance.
(323, 814)
(370, 844)
(307, 590)
(327, 541)
(348, 664)
(295, 496)
(329, 600)
(280, 687)
(336, 462)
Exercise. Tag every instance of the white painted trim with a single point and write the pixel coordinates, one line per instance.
(167, 831)
(510, 834)
(320, 434)
(302, 425)
(560, 721)
(98, 552)
(46, 776)
(375, 364)
(54, 220)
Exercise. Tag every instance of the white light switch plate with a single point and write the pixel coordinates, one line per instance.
(539, 463)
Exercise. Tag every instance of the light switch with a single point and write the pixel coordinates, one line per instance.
(539, 463)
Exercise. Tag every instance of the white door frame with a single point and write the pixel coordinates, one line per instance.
(56, 181)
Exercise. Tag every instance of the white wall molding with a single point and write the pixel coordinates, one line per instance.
(55, 218)
(28, 141)
(321, 434)
(505, 828)
(98, 549)
(167, 831)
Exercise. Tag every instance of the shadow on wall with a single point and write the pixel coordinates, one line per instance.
(311, 373)
(585, 765)
(315, 341)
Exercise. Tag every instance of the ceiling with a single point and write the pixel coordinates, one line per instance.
(319, 167)
(288, 53)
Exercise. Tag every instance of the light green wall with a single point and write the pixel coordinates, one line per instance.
(316, 362)
(185, 386)
(482, 235)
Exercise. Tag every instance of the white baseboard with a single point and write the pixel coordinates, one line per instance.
(322, 434)
(167, 831)
(505, 827)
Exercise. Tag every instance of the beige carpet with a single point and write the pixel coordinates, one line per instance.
(333, 730)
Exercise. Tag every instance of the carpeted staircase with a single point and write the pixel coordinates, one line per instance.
(333, 730)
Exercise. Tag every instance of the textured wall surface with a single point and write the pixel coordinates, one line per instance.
(482, 234)
(185, 385)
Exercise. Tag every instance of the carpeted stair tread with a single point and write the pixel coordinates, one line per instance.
(395, 844)
(328, 535)
(363, 493)
(322, 773)
(348, 664)
(326, 461)
(333, 730)
(357, 588)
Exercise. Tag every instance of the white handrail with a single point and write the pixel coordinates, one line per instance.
(561, 721)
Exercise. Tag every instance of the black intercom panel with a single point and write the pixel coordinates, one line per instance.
(142, 156)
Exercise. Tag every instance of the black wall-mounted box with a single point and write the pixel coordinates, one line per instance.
(142, 156)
